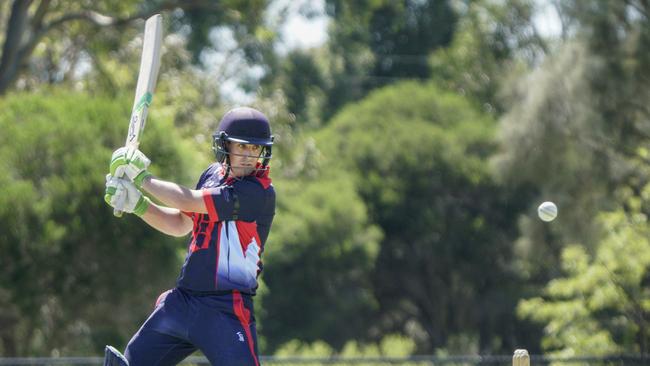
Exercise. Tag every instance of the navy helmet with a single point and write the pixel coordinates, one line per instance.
(244, 125)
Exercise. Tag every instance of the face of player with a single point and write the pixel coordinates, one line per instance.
(243, 158)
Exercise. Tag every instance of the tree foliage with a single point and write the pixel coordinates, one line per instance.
(391, 345)
(575, 132)
(572, 128)
(600, 305)
(399, 35)
(73, 278)
(552, 142)
(321, 251)
(371, 44)
(493, 44)
(419, 157)
(403, 208)
(47, 42)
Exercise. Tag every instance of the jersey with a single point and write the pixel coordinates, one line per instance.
(226, 246)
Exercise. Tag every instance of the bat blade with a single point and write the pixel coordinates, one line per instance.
(149, 66)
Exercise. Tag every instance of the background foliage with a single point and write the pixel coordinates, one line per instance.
(412, 149)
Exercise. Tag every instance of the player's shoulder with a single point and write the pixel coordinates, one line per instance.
(213, 174)
(262, 181)
(250, 182)
(214, 168)
(254, 186)
(259, 189)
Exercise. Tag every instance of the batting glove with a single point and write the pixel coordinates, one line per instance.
(131, 164)
(122, 195)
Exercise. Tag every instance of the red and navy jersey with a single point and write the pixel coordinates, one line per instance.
(225, 250)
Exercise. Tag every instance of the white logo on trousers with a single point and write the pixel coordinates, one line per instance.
(241, 336)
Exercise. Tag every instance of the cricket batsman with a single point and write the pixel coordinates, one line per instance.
(229, 214)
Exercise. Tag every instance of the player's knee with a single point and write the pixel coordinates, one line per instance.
(134, 354)
(133, 357)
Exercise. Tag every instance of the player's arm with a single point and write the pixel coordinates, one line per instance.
(243, 200)
(167, 220)
(175, 195)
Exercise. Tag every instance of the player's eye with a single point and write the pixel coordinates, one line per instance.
(250, 147)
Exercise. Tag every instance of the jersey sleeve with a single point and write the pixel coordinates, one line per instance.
(265, 218)
(212, 169)
(243, 200)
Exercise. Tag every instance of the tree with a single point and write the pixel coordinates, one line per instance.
(377, 43)
(600, 304)
(303, 82)
(420, 162)
(74, 278)
(573, 132)
(320, 254)
(552, 142)
(399, 35)
(572, 127)
(493, 44)
(69, 32)
(371, 44)
(617, 35)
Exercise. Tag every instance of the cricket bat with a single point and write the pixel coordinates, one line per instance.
(149, 66)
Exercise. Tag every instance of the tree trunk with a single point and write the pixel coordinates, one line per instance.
(11, 50)
(23, 34)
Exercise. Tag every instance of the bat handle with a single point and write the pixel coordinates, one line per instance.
(118, 213)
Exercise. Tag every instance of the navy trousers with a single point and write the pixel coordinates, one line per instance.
(221, 326)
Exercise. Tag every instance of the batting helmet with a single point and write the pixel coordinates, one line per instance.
(244, 125)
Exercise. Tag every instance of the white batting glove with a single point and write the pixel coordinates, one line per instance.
(122, 195)
(130, 164)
